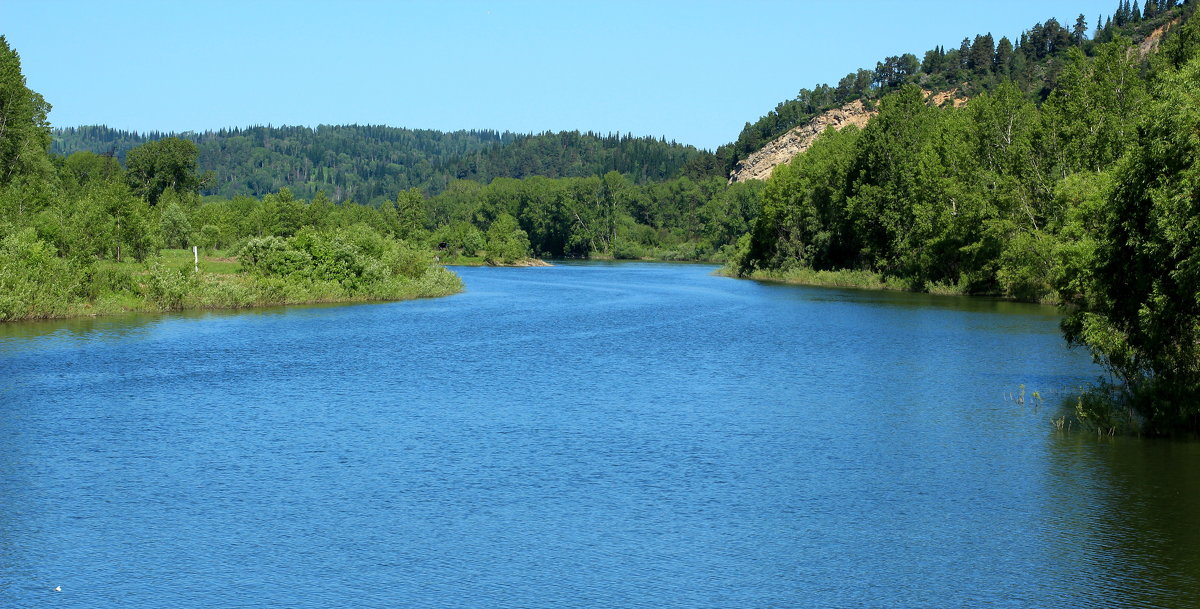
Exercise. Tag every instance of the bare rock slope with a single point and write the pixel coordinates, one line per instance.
(760, 164)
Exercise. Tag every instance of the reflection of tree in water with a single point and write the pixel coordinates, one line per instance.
(1127, 514)
(17, 334)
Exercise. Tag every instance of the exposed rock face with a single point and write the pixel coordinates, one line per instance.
(938, 100)
(760, 164)
(1151, 42)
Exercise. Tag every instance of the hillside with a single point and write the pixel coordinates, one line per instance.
(1084, 195)
(1032, 62)
(760, 163)
(371, 163)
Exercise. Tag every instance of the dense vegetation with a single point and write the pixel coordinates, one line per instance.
(84, 235)
(370, 164)
(1032, 64)
(1088, 198)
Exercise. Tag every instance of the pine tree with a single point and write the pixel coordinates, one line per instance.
(1079, 32)
(1004, 57)
(1136, 14)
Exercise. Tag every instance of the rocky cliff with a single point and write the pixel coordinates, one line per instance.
(760, 164)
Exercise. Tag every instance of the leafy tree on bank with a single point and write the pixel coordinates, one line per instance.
(25, 168)
(1136, 306)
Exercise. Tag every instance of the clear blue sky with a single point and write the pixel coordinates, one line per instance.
(693, 71)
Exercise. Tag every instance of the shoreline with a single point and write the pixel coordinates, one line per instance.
(861, 280)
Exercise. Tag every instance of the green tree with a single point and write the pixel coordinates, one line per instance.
(1004, 57)
(169, 163)
(24, 133)
(411, 215)
(506, 242)
(614, 197)
(85, 167)
(1079, 32)
(1134, 301)
(176, 227)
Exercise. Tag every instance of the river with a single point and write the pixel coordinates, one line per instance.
(585, 435)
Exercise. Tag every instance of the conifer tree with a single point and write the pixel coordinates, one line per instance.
(1135, 14)
(1004, 57)
(1079, 32)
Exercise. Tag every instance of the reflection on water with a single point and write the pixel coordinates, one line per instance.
(26, 335)
(1132, 510)
(587, 435)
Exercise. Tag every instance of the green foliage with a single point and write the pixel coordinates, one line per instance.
(506, 242)
(85, 168)
(411, 215)
(209, 238)
(460, 239)
(34, 281)
(167, 287)
(1136, 305)
(354, 261)
(371, 163)
(176, 227)
(26, 173)
(161, 165)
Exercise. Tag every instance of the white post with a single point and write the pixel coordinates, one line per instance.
(196, 255)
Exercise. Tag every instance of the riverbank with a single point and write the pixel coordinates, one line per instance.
(172, 281)
(863, 280)
(481, 261)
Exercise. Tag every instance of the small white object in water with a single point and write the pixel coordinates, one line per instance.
(58, 588)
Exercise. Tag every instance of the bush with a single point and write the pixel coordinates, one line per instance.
(34, 281)
(166, 287)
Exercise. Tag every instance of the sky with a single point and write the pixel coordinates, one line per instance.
(690, 71)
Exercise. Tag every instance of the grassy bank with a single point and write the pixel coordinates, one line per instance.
(36, 286)
(865, 280)
(840, 279)
(482, 261)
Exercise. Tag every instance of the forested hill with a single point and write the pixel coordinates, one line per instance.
(371, 163)
(1033, 63)
(1088, 196)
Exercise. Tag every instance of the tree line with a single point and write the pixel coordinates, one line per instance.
(370, 163)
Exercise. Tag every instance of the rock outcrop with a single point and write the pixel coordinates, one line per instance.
(760, 164)
(1151, 42)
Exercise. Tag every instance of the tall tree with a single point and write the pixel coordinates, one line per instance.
(1135, 297)
(169, 163)
(1004, 56)
(1079, 32)
(411, 214)
(24, 131)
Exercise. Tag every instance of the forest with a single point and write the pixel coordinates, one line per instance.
(371, 163)
(1067, 177)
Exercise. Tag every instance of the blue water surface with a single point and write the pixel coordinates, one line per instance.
(586, 435)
